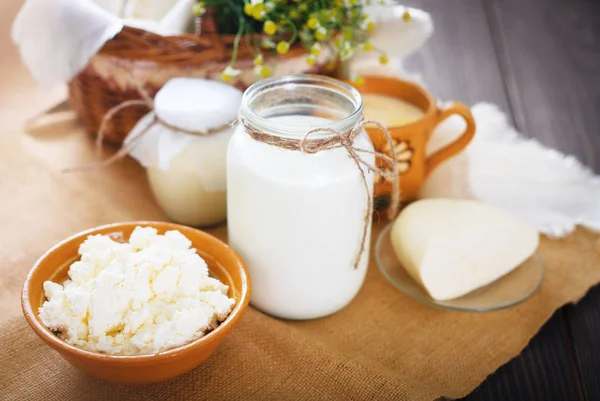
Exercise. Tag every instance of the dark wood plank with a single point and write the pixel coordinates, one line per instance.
(550, 58)
(535, 374)
(584, 326)
(461, 62)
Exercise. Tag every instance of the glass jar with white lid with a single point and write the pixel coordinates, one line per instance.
(183, 143)
(298, 219)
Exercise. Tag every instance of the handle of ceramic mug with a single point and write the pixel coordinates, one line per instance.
(458, 144)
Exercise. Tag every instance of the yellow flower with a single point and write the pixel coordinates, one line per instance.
(226, 77)
(330, 66)
(315, 50)
(302, 7)
(199, 9)
(358, 81)
(270, 28)
(406, 16)
(258, 11)
(229, 73)
(258, 15)
(258, 60)
(312, 23)
(321, 33)
(294, 14)
(248, 8)
(283, 47)
(383, 59)
(263, 71)
(348, 34)
(368, 47)
(338, 43)
(370, 26)
(311, 60)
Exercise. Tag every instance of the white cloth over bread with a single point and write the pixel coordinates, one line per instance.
(164, 17)
(189, 104)
(57, 38)
(179, 18)
(551, 191)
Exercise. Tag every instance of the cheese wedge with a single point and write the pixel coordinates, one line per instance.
(453, 247)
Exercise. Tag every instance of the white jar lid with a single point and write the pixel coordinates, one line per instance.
(196, 104)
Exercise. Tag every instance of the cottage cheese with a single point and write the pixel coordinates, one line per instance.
(146, 296)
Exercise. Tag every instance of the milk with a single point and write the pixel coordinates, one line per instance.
(297, 221)
(390, 111)
(192, 190)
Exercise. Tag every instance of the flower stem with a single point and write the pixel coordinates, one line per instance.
(294, 30)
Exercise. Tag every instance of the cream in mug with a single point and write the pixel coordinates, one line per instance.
(390, 111)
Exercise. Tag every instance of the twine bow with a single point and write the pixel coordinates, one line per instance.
(344, 139)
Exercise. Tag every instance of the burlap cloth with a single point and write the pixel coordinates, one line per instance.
(383, 346)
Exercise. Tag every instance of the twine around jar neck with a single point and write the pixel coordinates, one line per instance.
(345, 140)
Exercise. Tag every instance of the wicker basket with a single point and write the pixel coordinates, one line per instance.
(136, 58)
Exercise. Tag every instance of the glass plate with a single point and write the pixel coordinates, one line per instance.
(509, 290)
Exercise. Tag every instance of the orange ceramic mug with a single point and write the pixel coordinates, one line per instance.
(410, 140)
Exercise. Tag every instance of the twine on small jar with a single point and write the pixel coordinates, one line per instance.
(125, 149)
(345, 140)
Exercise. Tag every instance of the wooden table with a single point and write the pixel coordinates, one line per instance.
(540, 62)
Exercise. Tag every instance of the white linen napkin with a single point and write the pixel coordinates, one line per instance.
(552, 191)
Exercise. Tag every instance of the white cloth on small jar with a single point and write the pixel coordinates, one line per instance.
(191, 104)
(57, 38)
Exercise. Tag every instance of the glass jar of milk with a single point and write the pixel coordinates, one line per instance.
(298, 219)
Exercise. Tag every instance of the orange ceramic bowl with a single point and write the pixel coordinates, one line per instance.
(223, 264)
